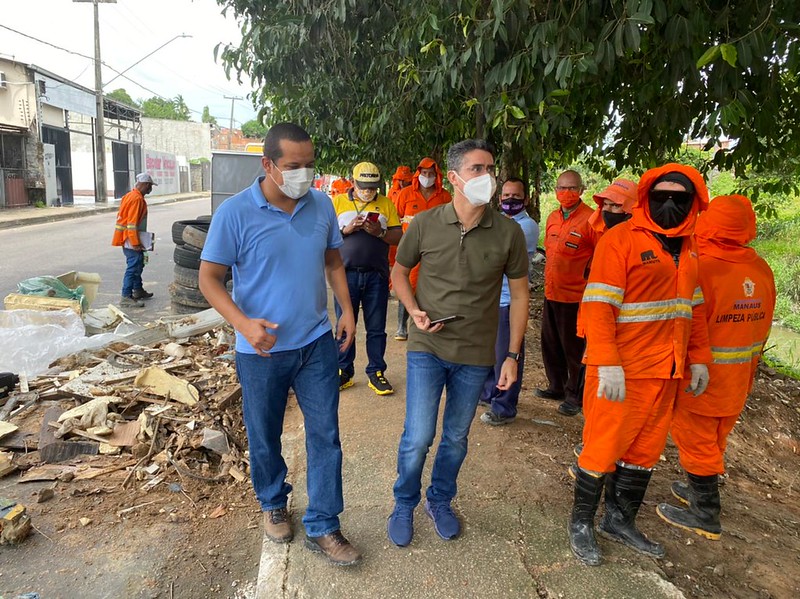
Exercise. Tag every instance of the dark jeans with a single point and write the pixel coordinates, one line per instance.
(370, 291)
(311, 372)
(562, 349)
(133, 271)
(427, 376)
(504, 403)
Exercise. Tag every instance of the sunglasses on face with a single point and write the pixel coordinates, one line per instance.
(679, 197)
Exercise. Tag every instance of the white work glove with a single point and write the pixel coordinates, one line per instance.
(699, 379)
(612, 382)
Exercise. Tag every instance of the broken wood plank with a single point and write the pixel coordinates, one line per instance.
(160, 382)
(46, 472)
(94, 473)
(6, 467)
(228, 400)
(6, 428)
(124, 435)
(204, 321)
(119, 378)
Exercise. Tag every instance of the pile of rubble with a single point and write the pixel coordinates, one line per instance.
(159, 408)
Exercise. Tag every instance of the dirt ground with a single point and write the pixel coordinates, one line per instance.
(189, 539)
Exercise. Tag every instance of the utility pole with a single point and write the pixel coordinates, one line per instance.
(230, 129)
(100, 192)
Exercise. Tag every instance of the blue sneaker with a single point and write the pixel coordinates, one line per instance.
(444, 520)
(400, 526)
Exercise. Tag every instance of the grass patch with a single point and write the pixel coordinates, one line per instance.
(777, 243)
(782, 367)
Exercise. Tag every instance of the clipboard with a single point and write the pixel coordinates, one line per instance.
(145, 238)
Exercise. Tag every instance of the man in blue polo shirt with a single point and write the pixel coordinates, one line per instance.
(282, 239)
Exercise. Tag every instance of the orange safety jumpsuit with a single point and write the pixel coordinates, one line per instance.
(645, 314)
(739, 290)
(131, 218)
(621, 191)
(401, 175)
(568, 245)
(411, 202)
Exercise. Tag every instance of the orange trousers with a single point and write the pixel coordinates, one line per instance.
(701, 440)
(633, 431)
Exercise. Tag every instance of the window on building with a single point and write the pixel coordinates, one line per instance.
(12, 151)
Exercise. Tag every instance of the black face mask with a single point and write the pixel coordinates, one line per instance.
(611, 219)
(668, 209)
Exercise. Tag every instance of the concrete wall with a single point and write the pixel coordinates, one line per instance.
(17, 99)
(181, 138)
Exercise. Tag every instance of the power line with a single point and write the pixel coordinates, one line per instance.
(105, 64)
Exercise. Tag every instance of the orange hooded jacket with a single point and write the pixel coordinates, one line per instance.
(131, 218)
(569, 245)
(401, 175)
(739, 290)
(640, 311)
(340, 186)
(411, 202)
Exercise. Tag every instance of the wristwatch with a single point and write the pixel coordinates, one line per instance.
(513, 355)
(383, 234)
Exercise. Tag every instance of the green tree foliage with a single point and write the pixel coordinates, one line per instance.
(160, 108)
(120, 95)
(627, 80)
(254, 128)
(206, 117)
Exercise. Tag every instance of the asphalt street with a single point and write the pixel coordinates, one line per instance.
(84, 244)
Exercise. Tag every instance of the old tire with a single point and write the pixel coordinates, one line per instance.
(179, 225)
(187, 296)
(177, 308)
(188, 277)
(195, 235)
(187, 256)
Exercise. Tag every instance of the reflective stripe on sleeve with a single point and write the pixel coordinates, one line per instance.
(600, 292)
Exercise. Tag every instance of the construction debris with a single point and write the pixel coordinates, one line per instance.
(15, 523)
(148, 413)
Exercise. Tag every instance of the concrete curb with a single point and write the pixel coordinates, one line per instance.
(79, 213)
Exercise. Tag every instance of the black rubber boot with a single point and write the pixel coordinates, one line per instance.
(680, 491)
(588, 489)
(702, 516)
(625, 489)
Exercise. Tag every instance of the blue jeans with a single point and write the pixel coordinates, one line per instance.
(311, 372)
(504, 403)
(133, 271)
(427, 376)
(370, 291)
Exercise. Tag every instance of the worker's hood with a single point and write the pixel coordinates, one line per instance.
(641, 211)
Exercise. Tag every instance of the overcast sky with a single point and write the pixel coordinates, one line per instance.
(129, 30)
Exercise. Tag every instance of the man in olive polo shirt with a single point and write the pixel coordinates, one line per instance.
(464, 249)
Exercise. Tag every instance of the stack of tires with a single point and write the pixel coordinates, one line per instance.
(189, 237)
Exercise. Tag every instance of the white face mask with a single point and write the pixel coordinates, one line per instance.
(479, 191)
(426, 182)
(296, 182)
(366, 195)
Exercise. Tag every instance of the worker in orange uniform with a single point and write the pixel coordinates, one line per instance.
(645, 322)
(340, 186)
(131, 221)
(425, 192)
(400, 180)
(569, 245)
(739, 288)
(614, 206)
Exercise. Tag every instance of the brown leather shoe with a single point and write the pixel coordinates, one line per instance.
(336, 548)
(278, 526)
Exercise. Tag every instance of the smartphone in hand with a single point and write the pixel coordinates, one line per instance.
(372, 217)
(446, 319)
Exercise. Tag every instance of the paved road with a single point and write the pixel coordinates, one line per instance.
(85, 244)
